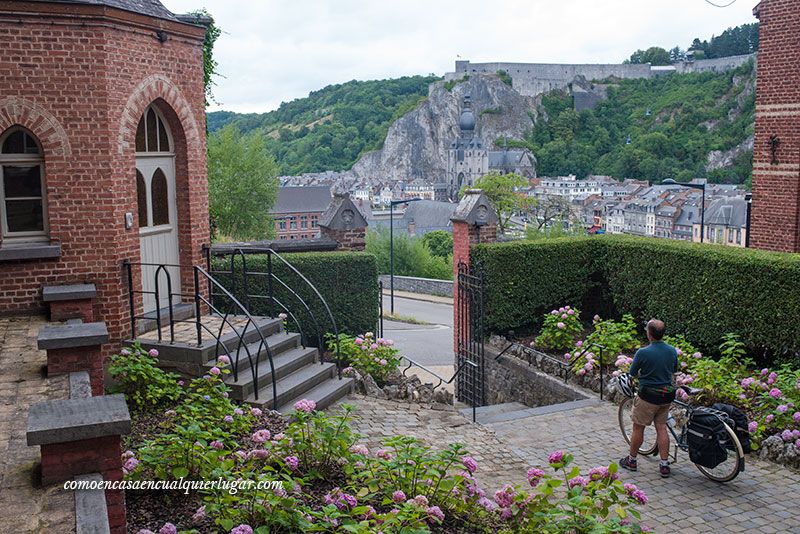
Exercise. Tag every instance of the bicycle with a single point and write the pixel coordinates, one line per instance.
(726, 471)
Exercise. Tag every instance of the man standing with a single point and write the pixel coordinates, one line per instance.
(655, 365)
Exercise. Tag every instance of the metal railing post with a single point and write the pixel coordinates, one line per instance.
(270, 300)
(380, 306)
(127, 264)
(197, 318)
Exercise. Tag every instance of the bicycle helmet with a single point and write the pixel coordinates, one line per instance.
(625, 384)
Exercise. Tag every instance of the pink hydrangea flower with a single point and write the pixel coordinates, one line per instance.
(564, 315)
(486, 504)
(293, 462)
(359, 448)
(214, 371)
(570, 312)
(224, 359)
(577, 481)
(398, 496)
(697, 355)
(554, 312)
(153, 353)
(168, 528)
(768, 419)
(258, 454)
(534, 476)
(470, 463)
(752, 426)
(782, 408)
(242, 529)
(504, 497)
(581, 372)
(384, 454)
(764, 371)
(359, 341)
(216, 444)
(562, 310)
(256, 412)
(420, 500)
(305, 405)
(238, 411)
(228, 419)
(435, 514)
(579, 343)
(560, 325)
(260, 436)
(747, 381)
(797, 444)
(125, 352)
(775, 393)
(130, 464)
(796, 417)
(556, 457)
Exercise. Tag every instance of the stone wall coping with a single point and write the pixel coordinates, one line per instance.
(80, 386)
(62, 336)
(65, 420)
(91, 512)
(69, 292)
(30, 251)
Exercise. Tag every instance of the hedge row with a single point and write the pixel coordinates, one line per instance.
(347, 280)
(701, 291)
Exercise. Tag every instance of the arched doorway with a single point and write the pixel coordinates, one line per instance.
(157, 208)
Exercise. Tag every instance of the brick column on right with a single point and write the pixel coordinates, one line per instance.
(775, 222)
(474, 221)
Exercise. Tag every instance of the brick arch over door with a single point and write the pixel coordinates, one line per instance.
(30, 115)
(151, 89)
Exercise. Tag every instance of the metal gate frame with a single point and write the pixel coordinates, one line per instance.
(470, 384)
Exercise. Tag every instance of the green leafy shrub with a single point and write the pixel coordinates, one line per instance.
(141, 380)
(369, 356)
(411, 256)
(347, 280)
(699, 291)
(610, 340)
(560, 329)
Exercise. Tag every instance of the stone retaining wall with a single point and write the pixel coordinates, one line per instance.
(412, 284)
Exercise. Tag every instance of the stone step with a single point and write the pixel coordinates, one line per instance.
(541, 410)
(74, 334)
(493, 409)
(278, 343)
(323, 394)
(293, 385)
(285, 363)
(180, 312)
(68, 292)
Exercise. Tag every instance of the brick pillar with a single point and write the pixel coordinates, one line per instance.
(72, 359)
(474, 221)
(776, 154)
(344, 223)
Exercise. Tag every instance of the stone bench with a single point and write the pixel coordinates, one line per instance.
(75, 347)
(70, 301)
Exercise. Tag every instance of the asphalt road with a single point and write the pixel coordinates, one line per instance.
(431, 344)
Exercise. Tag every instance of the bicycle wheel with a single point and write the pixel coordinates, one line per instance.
(649, 445)
(730, 467)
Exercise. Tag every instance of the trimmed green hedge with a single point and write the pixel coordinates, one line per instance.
(347, 280)
(701, 291)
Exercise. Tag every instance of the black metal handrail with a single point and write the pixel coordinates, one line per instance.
(441, 379)
(271, 276)
(235, 308)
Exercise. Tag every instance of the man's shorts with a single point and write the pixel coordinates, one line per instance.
(645, 413)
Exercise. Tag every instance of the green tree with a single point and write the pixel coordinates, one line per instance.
(242, 184)
(439, 242)
(655, 55)
(501, 189)
(411, 256)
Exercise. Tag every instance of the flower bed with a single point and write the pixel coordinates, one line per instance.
(317, 477)
(769, 397)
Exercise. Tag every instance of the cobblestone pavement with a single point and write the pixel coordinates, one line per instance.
(761, 499)
(378, 419)
(24, 505)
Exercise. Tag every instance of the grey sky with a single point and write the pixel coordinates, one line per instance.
(279, 50)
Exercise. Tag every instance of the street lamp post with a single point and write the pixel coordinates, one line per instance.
(670, 181)
(392, 204)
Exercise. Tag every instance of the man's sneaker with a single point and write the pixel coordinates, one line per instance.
(628, 463)
(664, 470)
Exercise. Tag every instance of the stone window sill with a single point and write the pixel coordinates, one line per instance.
(29, 251)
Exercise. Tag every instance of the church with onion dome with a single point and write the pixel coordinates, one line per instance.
(468, 159)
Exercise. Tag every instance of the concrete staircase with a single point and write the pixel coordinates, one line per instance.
(298, 371)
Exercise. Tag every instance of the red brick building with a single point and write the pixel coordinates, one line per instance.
(102, 149)
(776, 156)
(298, 211)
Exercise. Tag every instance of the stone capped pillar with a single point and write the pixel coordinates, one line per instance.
(474, 221)
(344, 223)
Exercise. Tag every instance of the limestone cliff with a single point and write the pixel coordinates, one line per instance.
(416, 144)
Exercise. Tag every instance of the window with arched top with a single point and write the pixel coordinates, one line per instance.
(152, 135)
(160, 198)
(23, 213)
(141, 200)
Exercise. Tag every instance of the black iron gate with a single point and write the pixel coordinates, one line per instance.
(469, 336)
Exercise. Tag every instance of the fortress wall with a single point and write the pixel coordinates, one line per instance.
(714, 65)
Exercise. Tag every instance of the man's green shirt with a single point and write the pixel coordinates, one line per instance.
(655, 364)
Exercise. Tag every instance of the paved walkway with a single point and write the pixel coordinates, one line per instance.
(761, 499)
(24, 505)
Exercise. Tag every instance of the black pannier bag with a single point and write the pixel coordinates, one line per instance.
(706, 438)
(740, 428)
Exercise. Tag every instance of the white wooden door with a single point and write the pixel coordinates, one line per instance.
(158, 228)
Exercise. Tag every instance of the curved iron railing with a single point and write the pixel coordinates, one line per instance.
(241, 276)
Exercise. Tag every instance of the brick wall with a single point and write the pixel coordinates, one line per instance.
(776, 185)
(79, 77)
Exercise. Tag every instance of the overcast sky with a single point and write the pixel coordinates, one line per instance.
(278, 50)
